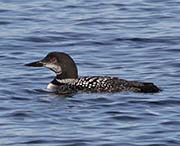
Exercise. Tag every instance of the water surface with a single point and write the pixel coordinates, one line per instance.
(134, 40)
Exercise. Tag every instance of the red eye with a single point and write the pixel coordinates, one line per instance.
(53, 60)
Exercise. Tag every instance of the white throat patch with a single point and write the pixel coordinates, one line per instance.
(57, 69)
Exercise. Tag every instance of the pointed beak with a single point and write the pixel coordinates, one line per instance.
(35, 64)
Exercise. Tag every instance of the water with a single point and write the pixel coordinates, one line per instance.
(134, 40)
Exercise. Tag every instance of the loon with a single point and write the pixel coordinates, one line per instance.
(67, 80)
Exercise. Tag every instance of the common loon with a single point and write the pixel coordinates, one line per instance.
(67, 80)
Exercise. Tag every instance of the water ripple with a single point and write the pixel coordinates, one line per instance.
(134, 40)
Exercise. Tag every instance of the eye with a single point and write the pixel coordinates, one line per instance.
(53, 60)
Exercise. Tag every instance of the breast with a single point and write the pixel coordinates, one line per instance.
(52, 87)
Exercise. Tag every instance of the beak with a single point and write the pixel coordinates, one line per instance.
(35, 64)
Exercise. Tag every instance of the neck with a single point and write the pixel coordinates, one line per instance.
(60, 76)
(66, 76)
(57, 82)
(68, 73)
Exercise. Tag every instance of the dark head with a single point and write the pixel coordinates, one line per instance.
(61, 63)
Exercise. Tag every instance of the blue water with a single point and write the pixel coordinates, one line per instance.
(134, 40)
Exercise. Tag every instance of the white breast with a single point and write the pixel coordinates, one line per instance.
(52, 87)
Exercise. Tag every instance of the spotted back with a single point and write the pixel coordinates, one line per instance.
(100, 84)
(104, 84)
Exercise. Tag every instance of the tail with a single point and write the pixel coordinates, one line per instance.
(145, 87)
(149, 88)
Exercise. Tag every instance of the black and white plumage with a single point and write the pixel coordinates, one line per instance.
(67, 80)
